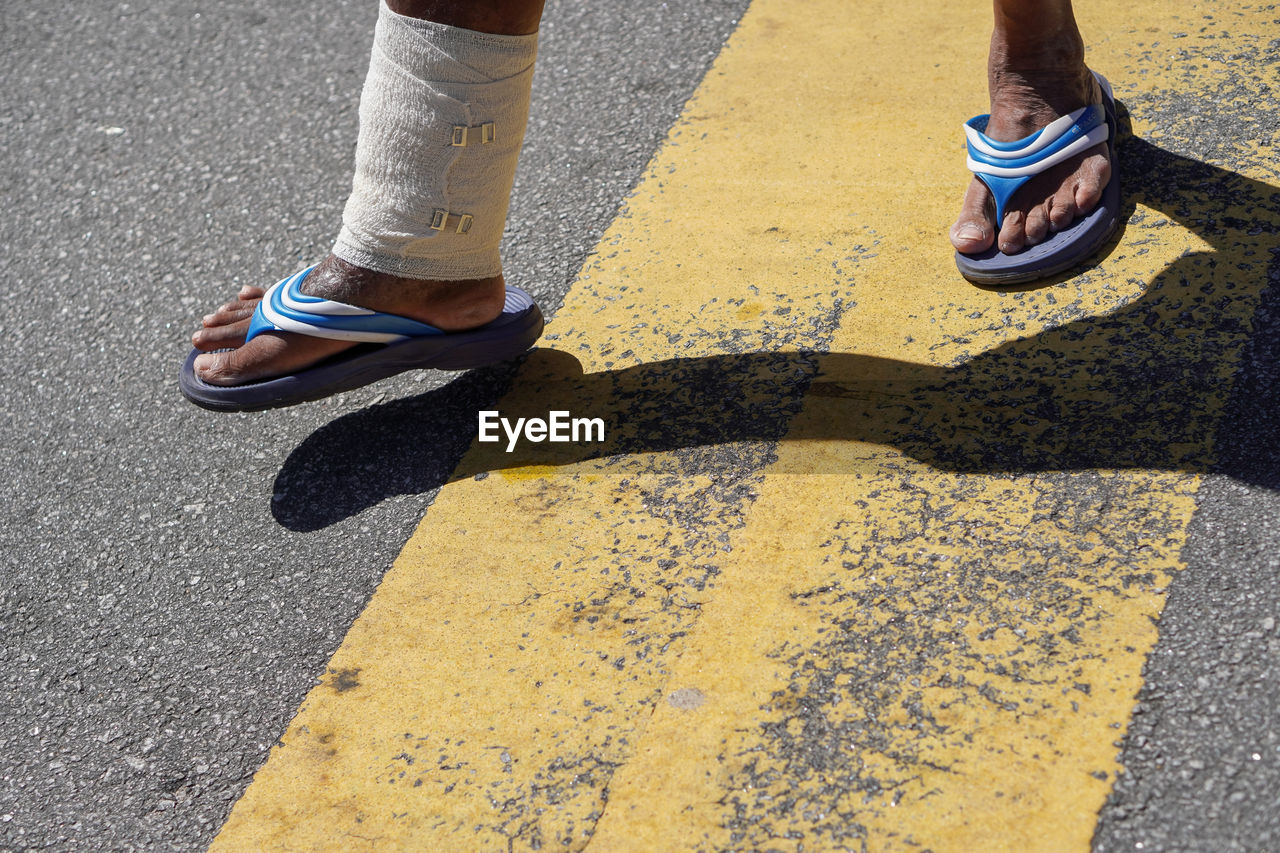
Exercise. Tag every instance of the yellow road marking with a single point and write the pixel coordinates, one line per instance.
(928, 627)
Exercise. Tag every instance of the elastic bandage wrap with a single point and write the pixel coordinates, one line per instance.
(442, 116)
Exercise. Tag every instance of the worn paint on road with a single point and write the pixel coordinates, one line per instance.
(911, 613)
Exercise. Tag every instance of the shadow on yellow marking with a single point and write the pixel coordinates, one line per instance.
(911, 615)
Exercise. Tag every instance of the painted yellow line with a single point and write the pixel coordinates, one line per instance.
(912, 648)
(917, 622)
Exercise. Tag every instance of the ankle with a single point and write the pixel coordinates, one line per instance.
(448, 305)
(1031, 29)
(1039, 85)
(1048, 48)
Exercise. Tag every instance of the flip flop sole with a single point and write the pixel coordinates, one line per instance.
(506, 338)
(1064, 250)
(1071, 247)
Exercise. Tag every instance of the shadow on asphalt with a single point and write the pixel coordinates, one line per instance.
(1142, 387)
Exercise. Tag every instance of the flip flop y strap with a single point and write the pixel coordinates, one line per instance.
(1006, 166)
(285, 308)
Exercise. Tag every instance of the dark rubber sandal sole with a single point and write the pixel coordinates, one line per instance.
(505, 339)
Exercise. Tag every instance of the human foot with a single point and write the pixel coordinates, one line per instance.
(1031, 85)
(450, 306)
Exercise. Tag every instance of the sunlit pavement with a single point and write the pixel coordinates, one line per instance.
(868, 559)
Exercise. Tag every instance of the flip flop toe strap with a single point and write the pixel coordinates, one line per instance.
(1006, 166)
(285, 308)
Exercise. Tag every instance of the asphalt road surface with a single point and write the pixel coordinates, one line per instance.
(174, 582)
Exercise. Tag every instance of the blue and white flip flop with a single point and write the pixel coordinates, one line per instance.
(1005, 166)
(387, 344)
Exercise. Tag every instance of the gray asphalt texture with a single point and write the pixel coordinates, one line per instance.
(1203, 749)
(173, 581)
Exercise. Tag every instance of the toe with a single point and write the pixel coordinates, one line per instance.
(220, 337)
(215, 368)
(1091, 178)
(1087, 196)
(249, 293)
(267, 355)
(1062, 210)
(1037, 227)
(242, 364)
(1013, 234)
(973, 231)
(228, 315)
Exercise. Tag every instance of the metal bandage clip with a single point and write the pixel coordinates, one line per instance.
(480, 135)
(440, 221)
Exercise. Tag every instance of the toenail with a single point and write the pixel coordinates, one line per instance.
(969, 231)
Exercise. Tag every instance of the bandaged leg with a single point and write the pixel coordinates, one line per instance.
(442, 117)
